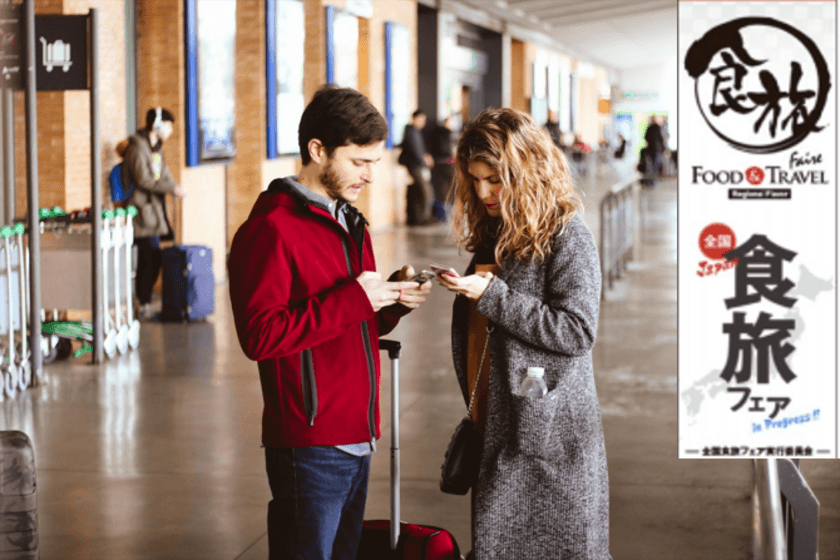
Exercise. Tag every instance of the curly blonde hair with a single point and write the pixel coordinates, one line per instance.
(537, 197)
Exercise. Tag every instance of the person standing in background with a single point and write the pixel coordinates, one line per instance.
(442, 150)
(656, 142)
(552, 125)
(414, 157)
(145, 167)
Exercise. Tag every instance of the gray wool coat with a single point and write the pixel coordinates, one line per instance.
(542, 490)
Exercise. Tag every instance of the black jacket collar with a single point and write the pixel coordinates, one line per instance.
(356, 221)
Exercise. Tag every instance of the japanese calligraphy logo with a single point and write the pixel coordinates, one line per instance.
(760, 84)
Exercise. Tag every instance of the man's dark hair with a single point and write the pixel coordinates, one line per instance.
(417, 113)
(151, 115)
(338, 117)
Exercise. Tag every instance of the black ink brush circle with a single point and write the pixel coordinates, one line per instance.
(700, 55)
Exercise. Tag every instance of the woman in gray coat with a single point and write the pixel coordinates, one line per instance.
(533, 284)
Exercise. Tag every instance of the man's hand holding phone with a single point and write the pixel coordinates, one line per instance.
(382, 294)
(421, 286)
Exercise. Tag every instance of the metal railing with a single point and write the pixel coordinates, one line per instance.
(785, 512)
(618, 225)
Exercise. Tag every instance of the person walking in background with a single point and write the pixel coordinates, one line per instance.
(309, 306)
(414, 157)
(622, 146)
(442, 150)
(655, 142)
(529, 297)
(145, 167)
(552, 125)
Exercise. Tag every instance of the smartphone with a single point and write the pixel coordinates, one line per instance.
(441, 269)
(421, 277)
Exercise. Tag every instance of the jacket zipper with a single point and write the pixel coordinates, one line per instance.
(368, 352)
(310, 390)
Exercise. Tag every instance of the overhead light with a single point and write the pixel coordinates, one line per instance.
(547, 26)
(518, 12)
(501, 4)
(533, 19)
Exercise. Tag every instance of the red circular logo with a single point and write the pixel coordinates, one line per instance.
(755, 175)
(716, 239)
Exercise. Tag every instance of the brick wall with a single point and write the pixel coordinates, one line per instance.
(315, 65)
(385, 204)
(203, 213)
(518, 75)
(245, 180)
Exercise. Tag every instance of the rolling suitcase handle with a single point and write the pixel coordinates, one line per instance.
(393, 348)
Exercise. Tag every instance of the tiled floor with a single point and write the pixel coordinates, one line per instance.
(156, 454)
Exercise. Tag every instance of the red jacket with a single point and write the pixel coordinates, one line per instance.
(300, 313)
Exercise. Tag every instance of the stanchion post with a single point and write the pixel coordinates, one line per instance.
(32, 194)
(96, 193)
(8, 102)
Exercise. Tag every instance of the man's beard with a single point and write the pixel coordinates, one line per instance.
(330, 181)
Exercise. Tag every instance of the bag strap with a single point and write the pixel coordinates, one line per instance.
(480, 368)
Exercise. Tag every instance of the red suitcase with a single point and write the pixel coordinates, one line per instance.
(383, 539)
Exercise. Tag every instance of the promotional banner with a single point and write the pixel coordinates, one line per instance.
(757, 232)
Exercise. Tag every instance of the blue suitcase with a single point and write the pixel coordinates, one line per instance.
(188, 283)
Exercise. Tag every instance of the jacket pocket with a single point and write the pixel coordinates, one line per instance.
(534, 421)
(309, 389)
(148, 218)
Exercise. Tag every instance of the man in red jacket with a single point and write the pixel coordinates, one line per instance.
(309, 307)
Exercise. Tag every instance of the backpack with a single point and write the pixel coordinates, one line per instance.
(118, 191)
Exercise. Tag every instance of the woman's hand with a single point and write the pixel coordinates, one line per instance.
(472, 286)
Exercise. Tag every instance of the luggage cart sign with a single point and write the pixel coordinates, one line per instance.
(61, 57)
(757, 233)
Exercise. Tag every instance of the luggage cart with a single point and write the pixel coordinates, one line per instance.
(23, 364)
(16, 369)
(128, 242)
(121, 323)
(53, 347)
(9, 365)
(69, 251)
(109, 344)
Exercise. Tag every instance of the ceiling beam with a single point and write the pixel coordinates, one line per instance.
(583, 8)
(527, 5)
(591, 16)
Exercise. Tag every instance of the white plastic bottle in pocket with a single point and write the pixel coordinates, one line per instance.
(533, 386)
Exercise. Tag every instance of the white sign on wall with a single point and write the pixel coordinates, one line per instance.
(360, 8)
(399, 53)
(346, 37)
(757, 230)
(290, 42)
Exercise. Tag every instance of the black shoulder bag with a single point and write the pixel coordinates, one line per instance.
(459, 471)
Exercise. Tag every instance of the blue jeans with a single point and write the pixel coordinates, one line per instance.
(318, 503)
